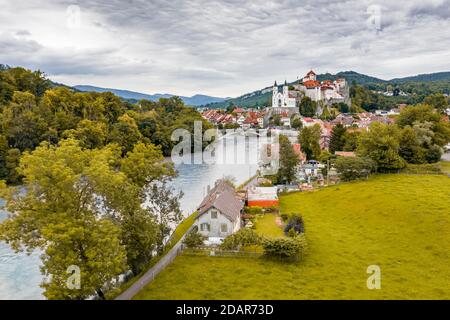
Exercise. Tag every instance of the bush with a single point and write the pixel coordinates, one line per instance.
(351, 168)
(296, 224)
(242, 238)
(285, 247)
(271, 209)
(253, 210)
(194, 239)
(284, 216)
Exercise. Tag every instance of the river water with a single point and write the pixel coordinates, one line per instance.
(19, 273)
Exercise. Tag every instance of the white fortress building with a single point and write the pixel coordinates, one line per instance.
(327, 91)
(281, 97)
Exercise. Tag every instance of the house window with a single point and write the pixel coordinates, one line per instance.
(223, 227)
(213, 214)
(204, 227)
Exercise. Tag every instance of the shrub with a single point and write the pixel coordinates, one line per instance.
(253, 210)
(194, 239)
(284, 216)
(285, 247)
(271, 209)
(351, 168)
(296, 224)
(244, 237)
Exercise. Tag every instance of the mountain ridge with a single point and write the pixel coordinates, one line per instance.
(195, 100)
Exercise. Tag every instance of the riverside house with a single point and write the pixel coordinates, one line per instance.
(219, 214)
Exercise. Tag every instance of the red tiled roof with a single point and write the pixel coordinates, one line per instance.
(311, 83)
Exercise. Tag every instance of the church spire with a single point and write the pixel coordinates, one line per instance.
(275, 84)
(285, 82)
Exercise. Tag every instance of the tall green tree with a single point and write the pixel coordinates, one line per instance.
(289, 160)
(125, 133)
(309, 139)
(307, 107)
(61, 214)
(381, 143)
(337, 140)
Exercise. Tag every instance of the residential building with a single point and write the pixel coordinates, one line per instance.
(219, 214)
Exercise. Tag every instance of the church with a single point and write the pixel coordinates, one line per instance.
(281, 98)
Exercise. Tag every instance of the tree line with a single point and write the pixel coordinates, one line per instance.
(417, 136)
(33, 109)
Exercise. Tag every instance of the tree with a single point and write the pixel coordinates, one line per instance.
(351, 139)
(91, 134)
(437, 101)
(11, 164)
(309, 139)
(337, 140)
(296, 123)
(410, 148)
(125, 133)
(163, 203)
(307, 107)
(351, 168)
(381, 144)
(289, 160)
(61, 214)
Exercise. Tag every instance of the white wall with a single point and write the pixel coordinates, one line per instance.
(215, 229)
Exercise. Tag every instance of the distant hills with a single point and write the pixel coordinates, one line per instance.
(262, 97)
(196, 100)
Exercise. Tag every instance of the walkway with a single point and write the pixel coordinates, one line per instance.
(151, 273)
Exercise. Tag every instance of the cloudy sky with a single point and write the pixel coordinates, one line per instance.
(221, 48)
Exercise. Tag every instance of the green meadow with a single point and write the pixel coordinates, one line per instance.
(400, 223)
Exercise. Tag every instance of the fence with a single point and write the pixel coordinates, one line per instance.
(215, 252)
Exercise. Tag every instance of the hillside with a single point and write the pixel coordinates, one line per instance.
(436, 82)
(430, 77)
(398, 222)
(195, 100)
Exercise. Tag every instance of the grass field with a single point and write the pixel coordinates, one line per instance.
(398, 222)
(445, 166)
(266, 225)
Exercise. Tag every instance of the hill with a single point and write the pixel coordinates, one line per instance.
(262, 97)
(430, 77)
(398, 222)
(195, 100)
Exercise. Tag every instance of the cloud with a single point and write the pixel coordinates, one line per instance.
(222, 48)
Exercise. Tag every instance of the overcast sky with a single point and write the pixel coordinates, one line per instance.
(221, 48)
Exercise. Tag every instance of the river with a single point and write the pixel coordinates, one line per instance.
(19, 273)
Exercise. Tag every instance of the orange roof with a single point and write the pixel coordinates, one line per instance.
(311, 83)
(345, 153)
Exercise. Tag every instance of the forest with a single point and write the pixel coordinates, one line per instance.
(34, 109)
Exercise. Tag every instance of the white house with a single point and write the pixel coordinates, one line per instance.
(219, 214)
